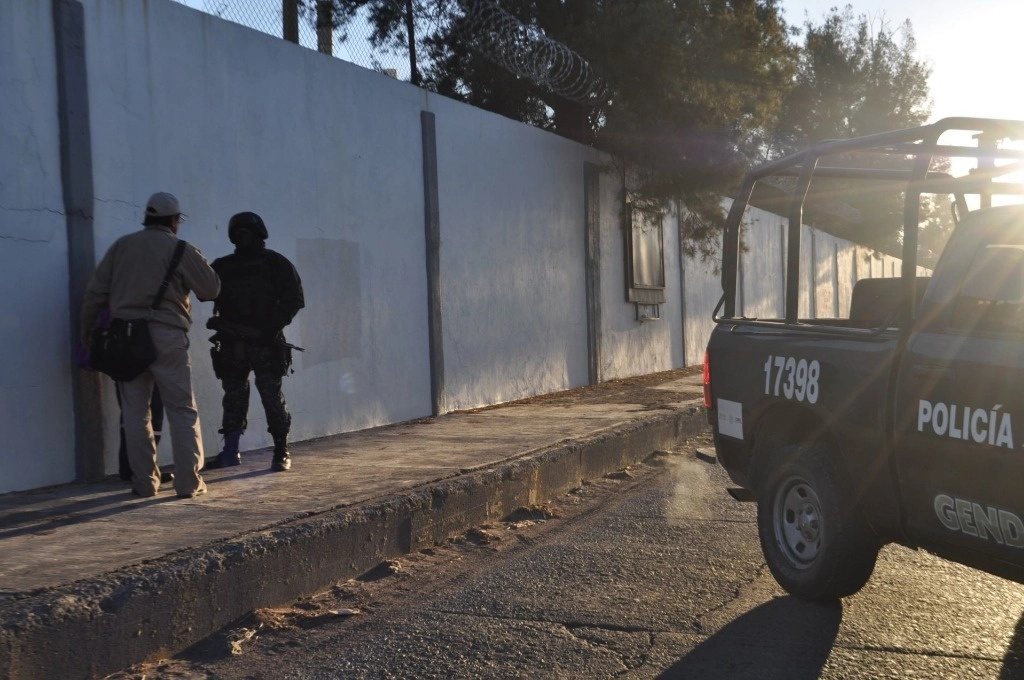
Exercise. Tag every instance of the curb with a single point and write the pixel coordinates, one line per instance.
(156, 609)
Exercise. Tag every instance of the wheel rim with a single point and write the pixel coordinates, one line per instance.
(798, 525)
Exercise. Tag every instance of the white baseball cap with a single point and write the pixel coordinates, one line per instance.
(162, 204)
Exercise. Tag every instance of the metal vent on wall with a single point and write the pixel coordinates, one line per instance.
(645, 312)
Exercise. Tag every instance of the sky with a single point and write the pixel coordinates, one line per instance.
(975, 48)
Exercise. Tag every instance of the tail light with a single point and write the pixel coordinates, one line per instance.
(707, 382)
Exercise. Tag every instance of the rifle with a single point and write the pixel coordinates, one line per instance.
(232, 330)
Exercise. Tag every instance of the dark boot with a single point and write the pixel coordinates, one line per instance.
(229, 457)
(282, 458)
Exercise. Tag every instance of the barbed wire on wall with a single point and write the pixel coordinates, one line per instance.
(526, 52)
(484, 27)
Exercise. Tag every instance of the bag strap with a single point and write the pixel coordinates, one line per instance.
(175, 259)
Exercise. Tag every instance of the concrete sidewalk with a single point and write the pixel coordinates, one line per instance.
(93, 579)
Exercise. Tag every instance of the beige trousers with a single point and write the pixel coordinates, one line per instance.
(172, 372)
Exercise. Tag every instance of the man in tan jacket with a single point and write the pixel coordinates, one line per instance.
(126, 280)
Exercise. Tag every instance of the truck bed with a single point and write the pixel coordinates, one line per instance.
(777, 383)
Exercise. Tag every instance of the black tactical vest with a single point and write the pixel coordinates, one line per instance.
(249, 291)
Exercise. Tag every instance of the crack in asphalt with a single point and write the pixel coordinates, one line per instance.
(737, 593)
(571, 627)
(568, 625)
(708, 520)
(628, 665)
(611, 627)
(887, 649)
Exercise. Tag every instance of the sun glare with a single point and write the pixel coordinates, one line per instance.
(960, 167)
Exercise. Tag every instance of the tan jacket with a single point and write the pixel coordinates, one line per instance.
(129, 275)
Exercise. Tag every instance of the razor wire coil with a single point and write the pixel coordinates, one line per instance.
(482, 25)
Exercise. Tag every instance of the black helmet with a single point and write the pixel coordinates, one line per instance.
(247, 220)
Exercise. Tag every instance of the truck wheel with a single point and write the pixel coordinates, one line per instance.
(812, 535)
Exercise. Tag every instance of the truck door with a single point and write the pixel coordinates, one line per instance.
(959, 409)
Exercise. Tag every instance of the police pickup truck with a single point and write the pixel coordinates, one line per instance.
(903, 421)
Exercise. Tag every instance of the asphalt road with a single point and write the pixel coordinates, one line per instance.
(652, 574)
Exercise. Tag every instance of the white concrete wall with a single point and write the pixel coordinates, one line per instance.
(846, 258)
(702, 291)
(763, 265)
(631, 347)
(826, 275)
(512, 258)
(229, 119)
(35, 371)
(330, 155)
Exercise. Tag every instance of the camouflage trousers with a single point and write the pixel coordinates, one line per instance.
(265, 364)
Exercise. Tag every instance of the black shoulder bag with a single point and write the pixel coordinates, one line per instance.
(125, 348)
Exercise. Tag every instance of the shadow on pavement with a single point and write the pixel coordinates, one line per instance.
(786, 638)
(45, 510)
(106, 501)
(1013, 660)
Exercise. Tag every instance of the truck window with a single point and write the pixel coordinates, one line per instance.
(991, 299)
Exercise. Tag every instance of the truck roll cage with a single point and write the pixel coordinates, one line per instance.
(918, 146)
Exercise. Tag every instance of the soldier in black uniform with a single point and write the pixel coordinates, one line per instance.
(260, 294)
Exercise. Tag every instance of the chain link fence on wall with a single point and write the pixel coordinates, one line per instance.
(352, 42)
(483, 25)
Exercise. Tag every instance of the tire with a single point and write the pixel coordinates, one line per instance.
(812, 535)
